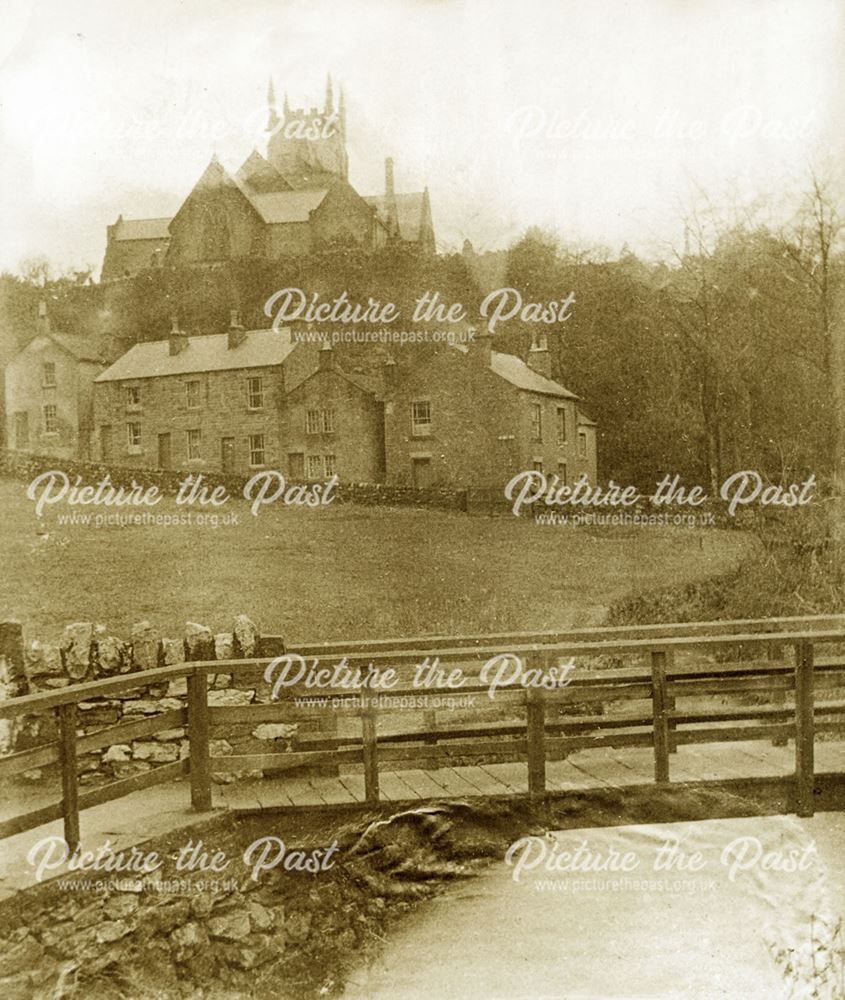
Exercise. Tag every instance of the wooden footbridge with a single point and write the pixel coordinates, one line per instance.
(673, 704)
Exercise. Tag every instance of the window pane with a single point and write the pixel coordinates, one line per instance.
(256, 449)
(194, 443)
(255, 392)
(421, 416)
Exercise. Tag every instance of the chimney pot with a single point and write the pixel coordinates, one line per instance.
(539, 358)
(43, 317)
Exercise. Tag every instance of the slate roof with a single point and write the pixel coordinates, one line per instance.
(142, 229)
(259, 349)
(518, 373)
(286, 206)
(81, 348)
(514, 370)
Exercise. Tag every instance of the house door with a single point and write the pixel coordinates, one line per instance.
(227, 454)
(164, 458)
(421, 473)
(296, 465)
(105, 443)
(22, 429)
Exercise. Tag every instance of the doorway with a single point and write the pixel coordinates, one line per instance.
(164, 455)
(421, 473)
(227, 454)
(105, 443)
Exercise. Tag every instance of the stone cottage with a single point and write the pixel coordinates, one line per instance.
(49, 393)
(474, 417)
(334, 425)
(206, 403)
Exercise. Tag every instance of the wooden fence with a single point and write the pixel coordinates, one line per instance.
(609, 703)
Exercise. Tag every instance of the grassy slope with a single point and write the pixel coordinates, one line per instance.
(337, 572)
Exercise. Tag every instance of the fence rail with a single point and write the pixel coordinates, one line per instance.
(552, 723)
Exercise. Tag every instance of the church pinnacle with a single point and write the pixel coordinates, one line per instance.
(272, 118)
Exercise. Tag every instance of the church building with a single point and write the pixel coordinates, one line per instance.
(295, 200)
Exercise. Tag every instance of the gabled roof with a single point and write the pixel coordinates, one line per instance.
(362, 382)
(259, 349)
(81, 348)
(141, 229)
(258, 174)
(287, 206)
(585, 421)
(518, 373)
(514, 370)
(272, 207)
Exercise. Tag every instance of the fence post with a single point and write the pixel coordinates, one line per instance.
(778, 694)
(370, 751)
(804, 728)
(670, 705)
(198, 740)
(70, 785)
(11, 650)
(535, 712)
(659, 711)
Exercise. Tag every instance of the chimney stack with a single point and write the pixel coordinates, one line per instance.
(237, 334)
(325, 358)
(178, 339)
(539, 358)
(43, 318)
(388, 177)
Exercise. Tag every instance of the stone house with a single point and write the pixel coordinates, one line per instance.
(474, 417)
(334, 424)
(207, 403)
(49, 393)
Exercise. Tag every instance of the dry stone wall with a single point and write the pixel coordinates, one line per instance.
(87, 652)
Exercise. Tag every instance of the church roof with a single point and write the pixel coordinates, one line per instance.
(141, 229)
(287, 206)
(260, 175)
(259, 349)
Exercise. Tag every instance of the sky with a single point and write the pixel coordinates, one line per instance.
(597, 118)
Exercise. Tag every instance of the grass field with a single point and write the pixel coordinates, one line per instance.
(335, 572)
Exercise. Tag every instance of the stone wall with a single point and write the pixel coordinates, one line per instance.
(88, 652)
(24, 466)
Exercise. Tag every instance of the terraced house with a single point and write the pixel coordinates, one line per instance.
(197, 403)
(247, 400)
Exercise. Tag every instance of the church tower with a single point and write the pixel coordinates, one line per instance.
(305, 143)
